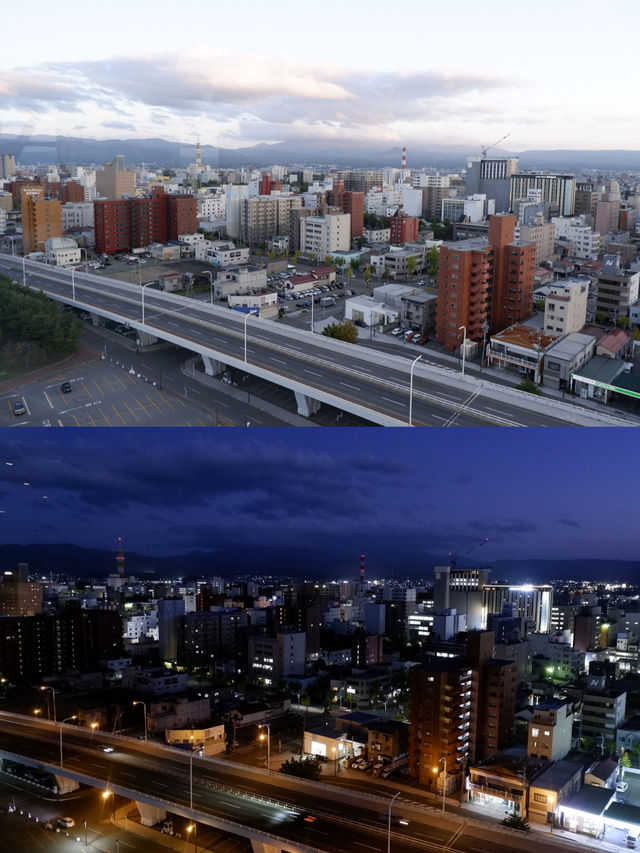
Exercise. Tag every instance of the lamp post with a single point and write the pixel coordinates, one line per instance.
(313, 299)
(464, 345)
(86, 258)
(395, 796)
(24, 275)
(210, 274)
(73, 717)
(53, 693)
(193, 752)
(144, 708)
(413, 364)
(105, 795)
(190, 828)
(143, 287)
(444, 781)
(73, 283)
(246, 317)
(267, 726)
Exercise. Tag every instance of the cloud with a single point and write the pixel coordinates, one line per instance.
(119, 125)
(569, 522)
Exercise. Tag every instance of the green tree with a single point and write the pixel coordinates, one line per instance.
(516, 822)
(366, 275)
(636, 334)
(345, 331)
(623, 321)
(348, 273)
(354, 263)
(432, 261)
(539, 303)
(308, 767)
(600, 318)
(411, 266)
(625, 759)
(530, 386)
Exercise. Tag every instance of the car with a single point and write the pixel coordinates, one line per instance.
(19, 407)
(366, 765)
(106, 748)
(66, 822)
(397, 331)
(306, 817)
(66, 387)
(622, 787)
(631, 838)
(386, 772)
(417, 339)
(408, 335)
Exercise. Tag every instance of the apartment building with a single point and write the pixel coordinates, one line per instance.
(550, 730)
(41, 219)
(618, 288)
(484, 285)
(113, 183)
(263, 217)
(322, 235)
(581, 239)
(565, 309)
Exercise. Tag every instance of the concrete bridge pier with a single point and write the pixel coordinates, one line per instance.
(150, 815)
(145, 339)
(65, 786)
(307, 406)
(212, 367)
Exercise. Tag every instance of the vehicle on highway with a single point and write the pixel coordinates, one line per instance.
(19, 407)
(106, 748)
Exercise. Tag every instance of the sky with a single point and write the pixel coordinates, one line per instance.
(308, 502)
(550, 74)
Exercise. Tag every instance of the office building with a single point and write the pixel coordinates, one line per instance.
(274, 659)
(263, 217)
(113, 183)
(461, 590)
(351, 203)
(557, 192)
(491, 176)
(608, 209)
(7, 165)
(41, 219)
(531, 602)
(618, 288)
(170, 611)
(322, 235)
(484, 285)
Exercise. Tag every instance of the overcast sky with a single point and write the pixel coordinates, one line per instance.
(317, 498)
(551, 74)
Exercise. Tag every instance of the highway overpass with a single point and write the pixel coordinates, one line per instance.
(267, 808)
(378, 387)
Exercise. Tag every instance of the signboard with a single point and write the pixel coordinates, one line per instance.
(604, 385)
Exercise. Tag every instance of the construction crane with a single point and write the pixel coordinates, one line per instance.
(493, 145)
(452, 558)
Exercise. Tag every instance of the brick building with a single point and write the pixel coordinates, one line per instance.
(403, 229)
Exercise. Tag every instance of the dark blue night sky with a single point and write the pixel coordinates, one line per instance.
(308, 501)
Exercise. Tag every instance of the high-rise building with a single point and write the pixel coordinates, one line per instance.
(7, 165)
(132, 223)
(532, 602)
(491, 176)
(322, 235)
(41, 219)
(461, 590)
(484, 286)
(349, 202)
(170, 610)
(618, 287)
(440, 722)
(19, 597)
(558, 192)
(263, 217)
(113, 184)
(608, 209)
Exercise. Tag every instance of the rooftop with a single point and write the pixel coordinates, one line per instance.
(554, 778)
(615, 340)
(601, 369)
(524, 336)
(592, 799)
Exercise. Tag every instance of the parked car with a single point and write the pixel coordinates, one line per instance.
(408, 335)
(19, 407)
(66, 822)
(622, 787)
(66, 387)
(396, 331)
(631, 838)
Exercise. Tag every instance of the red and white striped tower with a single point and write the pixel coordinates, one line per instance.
(404, 158)
(120, 558)
(361, 568)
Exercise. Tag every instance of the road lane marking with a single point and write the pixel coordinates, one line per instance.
(353, 387)
(313, 373)
(395, 402)
(279, 360)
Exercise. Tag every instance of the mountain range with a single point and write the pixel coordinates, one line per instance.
(49, 150)
(93, 562)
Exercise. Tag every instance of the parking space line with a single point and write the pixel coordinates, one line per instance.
(165, 400)
(116, 412)
(105, 417)
(87, 390)
(143, 407)
(153, 403)
(106, 379)
(132, 412)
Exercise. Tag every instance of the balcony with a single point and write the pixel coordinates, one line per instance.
(495, 792)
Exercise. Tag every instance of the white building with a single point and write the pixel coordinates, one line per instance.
(212, 204)
(265, 303)
(565, 308)
(364, 309)
(77, 215)
(234, 196)
(62, 251)
(383, 202)
(550, 731)
(377, 235)
(322, 235)
(476, 207)
(411, 200)
(583, 241)
(222, 253)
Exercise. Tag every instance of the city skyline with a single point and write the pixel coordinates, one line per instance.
(316, 500)
(390, 75)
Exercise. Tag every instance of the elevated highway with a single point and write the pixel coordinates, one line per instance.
(267, 808)
(378, 387)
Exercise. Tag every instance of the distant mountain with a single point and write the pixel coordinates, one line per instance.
(90, 563)
(361, 154)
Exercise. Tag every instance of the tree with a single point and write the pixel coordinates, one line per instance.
(366, 275)
(411, 266)
(345, 331)
(432, 261)
(529, 385)
(539, 303)
(514, 821)
(308, 767)
(625, 759)
(355, 264)
(623, 321)
(348, 273)
(600, 318)
(636, 334)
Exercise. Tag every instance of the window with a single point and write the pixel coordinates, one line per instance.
(539, 798)
(535, 732)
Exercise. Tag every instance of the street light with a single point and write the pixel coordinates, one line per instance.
(246, 317)
(190, 828)
(210, 274)
(143, 287)
(464, 345)
(267, 726)
(413, 364)
(105, 795)
(86, 258)
(444, 780)
(24, 275)
(53, 693)
(395, 796)
(73, 717)
(193, 752)
(144, 708)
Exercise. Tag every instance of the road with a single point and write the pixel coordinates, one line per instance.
(367, 383)
(250, 802)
